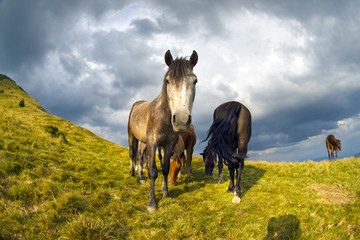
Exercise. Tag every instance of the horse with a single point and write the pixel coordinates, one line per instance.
(175, 160)
(230, 131)
(159, 122)
(332, 144)
(189, 139)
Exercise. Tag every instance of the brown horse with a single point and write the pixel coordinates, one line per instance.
(175, 160)
(159, 122)
(189, 139)
(332, 144)
(230, 130)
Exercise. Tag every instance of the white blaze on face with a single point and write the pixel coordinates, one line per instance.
(180, 98)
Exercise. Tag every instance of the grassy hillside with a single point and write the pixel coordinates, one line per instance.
(60, 181)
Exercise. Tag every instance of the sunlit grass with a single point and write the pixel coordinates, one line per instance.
(81, 189)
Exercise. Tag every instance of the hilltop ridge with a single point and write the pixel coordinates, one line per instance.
(46, 164)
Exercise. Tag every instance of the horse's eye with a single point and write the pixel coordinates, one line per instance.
(195, 82)
(167, 81)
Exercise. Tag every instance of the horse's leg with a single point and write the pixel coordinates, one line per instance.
(220, 166)
(336, 152)
(182, 166)
(328, 149)
(133, 148)
(231, 168)
(140, 162)
(189, 153)
(166, 167)
(237, 191)
(153, 173)
(177, 169)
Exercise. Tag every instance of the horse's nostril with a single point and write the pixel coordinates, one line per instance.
(174, 119)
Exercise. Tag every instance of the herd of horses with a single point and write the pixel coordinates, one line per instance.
(164, 125)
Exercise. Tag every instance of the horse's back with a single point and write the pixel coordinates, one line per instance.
(331, 140)
(226, 110)
(138, 120)
(229, 111)
(330, 137)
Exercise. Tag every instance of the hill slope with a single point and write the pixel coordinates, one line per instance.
(60, 181)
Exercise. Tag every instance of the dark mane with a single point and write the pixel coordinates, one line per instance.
(222, 132)
(178, 68)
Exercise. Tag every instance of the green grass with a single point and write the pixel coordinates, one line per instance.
(81, 189)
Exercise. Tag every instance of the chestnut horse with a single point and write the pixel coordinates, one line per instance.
(332, 144)
(159, 122)
(175, 160)
(230, 130)
(189, 139)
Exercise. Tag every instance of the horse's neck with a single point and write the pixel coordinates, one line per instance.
(162, 103)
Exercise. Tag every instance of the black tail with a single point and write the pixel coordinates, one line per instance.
(223, 132)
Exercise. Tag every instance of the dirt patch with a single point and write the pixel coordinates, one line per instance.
(331, 194)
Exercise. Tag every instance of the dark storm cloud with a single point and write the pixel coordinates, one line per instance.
(32, 29)
(30, 32)
(64, 55)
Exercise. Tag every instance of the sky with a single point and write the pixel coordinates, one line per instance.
(294, 64)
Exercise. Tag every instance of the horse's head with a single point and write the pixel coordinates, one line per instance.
(209, 158)
(180, 83)
(339, 144)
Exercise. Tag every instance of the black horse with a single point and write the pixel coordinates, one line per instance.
(230, 130)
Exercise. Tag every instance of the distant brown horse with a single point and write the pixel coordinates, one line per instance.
(230, 131)
(159, 122)
(189, 139)
(332, 144)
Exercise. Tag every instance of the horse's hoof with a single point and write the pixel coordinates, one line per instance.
(151, 209)
(236, 199)
(142, 182)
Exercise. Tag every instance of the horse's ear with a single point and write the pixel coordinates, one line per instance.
(168, 58)
(194, 58)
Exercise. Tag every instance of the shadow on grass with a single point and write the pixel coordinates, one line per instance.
(250, 176)
(284, 227)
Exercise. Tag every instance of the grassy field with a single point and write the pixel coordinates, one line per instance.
(60, 181)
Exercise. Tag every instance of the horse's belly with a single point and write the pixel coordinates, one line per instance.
(138, 121)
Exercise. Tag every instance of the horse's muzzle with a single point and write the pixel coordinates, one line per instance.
(181, 122)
